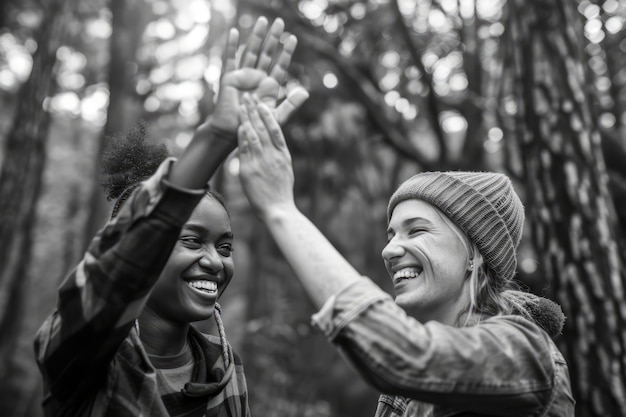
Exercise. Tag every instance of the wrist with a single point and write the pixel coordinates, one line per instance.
(218, 135)
(277, 212)
(203, 156)
(224, 132)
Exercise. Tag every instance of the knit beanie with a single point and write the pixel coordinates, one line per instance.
(483, 204)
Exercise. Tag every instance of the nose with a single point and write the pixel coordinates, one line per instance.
(211, 261)
(393, 249)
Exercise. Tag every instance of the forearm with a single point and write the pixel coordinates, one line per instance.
(104, 294)
(203, 156)
(321, 269)
(507, 358)
(96, 307)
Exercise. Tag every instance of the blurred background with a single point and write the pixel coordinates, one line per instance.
(532, 88)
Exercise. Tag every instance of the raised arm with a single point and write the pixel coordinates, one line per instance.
(267, 177)
(99, 301)
(392, 351)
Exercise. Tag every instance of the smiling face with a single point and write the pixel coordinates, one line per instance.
(199, 267)
(427, 262)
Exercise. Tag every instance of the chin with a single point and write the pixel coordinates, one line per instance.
(199, 315)
(411, 307)
(406, 301)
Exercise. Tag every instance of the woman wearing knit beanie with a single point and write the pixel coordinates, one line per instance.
(456, 340)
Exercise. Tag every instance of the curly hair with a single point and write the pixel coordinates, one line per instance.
(128, 160)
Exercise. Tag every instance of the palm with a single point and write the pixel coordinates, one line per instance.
(233, 85)
(260, 71)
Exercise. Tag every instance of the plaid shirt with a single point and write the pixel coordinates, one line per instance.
(504, 366)
(89, 352)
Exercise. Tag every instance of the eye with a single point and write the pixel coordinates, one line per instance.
(416, 231)
(225, 249)
(191, 242)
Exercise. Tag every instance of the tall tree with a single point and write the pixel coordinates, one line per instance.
(20, 185)
(395, 56)
(129, 18)
(575, 230)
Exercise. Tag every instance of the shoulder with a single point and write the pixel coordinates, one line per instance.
(514, 322)
(535, 345)
(521, 332)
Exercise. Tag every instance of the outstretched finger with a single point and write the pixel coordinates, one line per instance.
(252, 106)
(243, 141)
(251, 137)
(295, 98)
(270, 45)
(272, 127)
(230, 51)
(254, 43)
(282, 61)
(243, 111)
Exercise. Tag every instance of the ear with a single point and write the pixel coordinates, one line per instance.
(475, 262)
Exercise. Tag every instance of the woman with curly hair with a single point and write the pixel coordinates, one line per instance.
(120, 342)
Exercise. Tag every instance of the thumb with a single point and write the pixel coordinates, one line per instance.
(295, 98)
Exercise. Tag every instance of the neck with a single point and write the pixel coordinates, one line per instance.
(454, 313)
(159, 336)
(448, 317)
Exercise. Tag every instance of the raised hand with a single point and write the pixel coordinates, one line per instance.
(266, 172)
(265, 52)
(261, 71)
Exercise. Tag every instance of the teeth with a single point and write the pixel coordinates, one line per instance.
(208, 286)
(407, 273)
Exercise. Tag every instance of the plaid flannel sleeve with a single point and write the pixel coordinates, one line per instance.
(506, 359)
(100, 299)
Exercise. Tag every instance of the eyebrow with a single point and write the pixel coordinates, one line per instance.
(203, 230)
(410, 221)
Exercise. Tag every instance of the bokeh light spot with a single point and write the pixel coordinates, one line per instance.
(495, 134)
(330, 80)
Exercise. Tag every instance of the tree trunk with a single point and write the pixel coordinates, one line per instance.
(573, 221)
(20, 185)
(129, 18)
(7, 13)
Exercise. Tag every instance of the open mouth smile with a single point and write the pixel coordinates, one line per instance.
(207, 287)
(406, 274)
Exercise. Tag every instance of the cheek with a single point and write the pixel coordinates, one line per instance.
(229, 269)
(178, 261)
(447, 256)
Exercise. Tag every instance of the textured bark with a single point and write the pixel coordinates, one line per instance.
(574, 224)
(20, 185)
